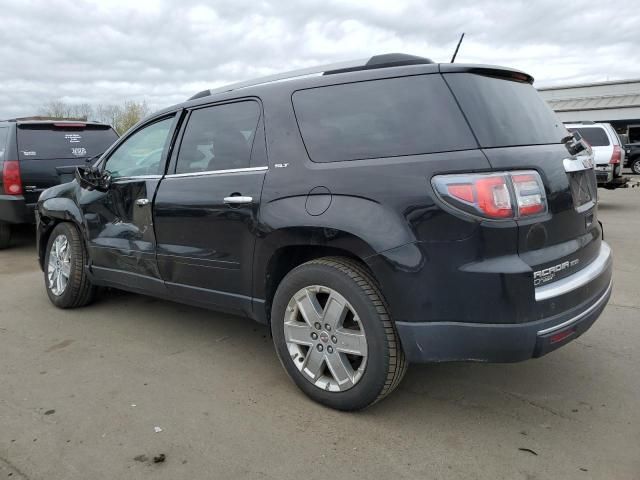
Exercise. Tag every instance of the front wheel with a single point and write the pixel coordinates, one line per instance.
(334, 336)
(635, 166)
(65, 278)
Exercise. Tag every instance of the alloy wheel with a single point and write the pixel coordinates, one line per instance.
(325, 338)
(59, 267)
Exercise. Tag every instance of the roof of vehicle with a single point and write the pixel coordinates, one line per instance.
(51, 121)
(298, 78)
(588, 124)
(376, 67)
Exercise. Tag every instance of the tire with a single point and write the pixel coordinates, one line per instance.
(373, 368)
(635, 166)
(77, 290)
(5, 235)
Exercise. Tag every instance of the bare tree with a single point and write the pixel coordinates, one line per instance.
(56, 109)
(120, 117)
(132, 113)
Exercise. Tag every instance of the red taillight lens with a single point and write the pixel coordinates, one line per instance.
(463, 192)
(11, 180)
(493, 197)
(616, 155)
(496, 195)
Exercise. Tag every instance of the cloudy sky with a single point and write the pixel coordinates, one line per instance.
(164, 51)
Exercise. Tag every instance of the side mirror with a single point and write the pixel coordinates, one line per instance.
(92, 178)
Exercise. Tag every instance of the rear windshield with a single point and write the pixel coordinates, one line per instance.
(595, 136)
(505, 113)
(46, 142)
(380, 118)
(4, 133)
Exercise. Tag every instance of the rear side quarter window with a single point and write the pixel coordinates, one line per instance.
(380, 118)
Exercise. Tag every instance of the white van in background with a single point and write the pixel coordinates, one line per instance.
(609, 153)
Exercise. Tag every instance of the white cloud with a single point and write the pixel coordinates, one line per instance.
(164, 51)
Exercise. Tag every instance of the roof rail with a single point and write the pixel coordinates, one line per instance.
(377, 61)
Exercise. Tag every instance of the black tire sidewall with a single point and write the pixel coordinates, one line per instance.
(5, 235)
(369, 387)
(68, 297)
(635, 166)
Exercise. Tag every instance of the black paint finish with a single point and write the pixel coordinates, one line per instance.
(433, 264)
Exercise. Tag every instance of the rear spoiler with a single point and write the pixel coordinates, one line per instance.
(503, 73)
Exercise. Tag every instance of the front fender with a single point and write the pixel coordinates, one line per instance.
(54, 206)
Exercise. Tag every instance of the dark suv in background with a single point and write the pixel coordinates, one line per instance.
(37, 154)
(374, 213)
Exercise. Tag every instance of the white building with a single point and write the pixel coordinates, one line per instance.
(616, 102)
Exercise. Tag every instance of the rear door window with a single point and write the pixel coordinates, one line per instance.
(218, 138)
(381, 118)
(4, 133)
(595, 136)
(48, 141)
(505, 113)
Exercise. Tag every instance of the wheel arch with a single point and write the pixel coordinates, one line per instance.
(51, 212)
(285, 249)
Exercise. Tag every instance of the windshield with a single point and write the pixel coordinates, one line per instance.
(504, 113)
(46, 141)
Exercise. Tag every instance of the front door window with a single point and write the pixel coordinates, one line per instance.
(141, 153)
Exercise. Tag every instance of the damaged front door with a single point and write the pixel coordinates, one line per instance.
(119, 221)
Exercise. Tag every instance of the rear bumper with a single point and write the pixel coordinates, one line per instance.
(608, 173)
(484, 342)
(14, 209)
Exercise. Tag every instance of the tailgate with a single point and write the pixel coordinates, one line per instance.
(518, 131)
(49, 151)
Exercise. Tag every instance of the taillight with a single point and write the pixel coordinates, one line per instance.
(503, 195)
(11, 180)
(529, 193)
(616, 155)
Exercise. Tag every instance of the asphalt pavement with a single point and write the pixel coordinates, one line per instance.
(103, 392)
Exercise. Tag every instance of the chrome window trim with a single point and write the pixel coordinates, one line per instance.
(137, 177)
(217, 172)
(581, 315)
(578, 279)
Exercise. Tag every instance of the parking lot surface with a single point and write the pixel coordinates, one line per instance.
(97, 393)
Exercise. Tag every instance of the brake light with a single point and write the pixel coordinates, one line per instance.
(70, 125)
(11, 180)
(616, 155)
(493, 197)
(504, 195)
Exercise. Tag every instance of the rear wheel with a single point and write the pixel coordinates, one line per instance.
(635, 166)
(64, 275)
(5, 235)
(334, 336)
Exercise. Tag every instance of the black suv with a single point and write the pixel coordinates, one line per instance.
(374, 213)
(37, 154)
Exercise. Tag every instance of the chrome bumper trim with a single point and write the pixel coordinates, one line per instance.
(578, 279)
(581, 315)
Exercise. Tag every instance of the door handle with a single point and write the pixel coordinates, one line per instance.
(238, 200)
(141, 202)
